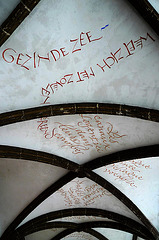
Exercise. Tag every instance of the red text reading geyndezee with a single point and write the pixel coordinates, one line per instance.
(10, 55)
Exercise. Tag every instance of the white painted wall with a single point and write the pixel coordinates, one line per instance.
(81, 138)
(133, 80)
(155, 4)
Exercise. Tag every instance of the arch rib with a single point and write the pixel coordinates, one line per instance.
(68, 232)
(38, 200)
(21, 11)
(123, 198)
(124, 223)
(78, 108)
(37, 156)
(125, 155)
(94, 177)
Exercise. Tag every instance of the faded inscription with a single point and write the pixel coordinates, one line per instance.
(90, 132)
(108, 62)
(129, 172)
(79, 194)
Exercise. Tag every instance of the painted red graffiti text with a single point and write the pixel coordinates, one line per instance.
(127, 50)
(24, 60)
(51, 88)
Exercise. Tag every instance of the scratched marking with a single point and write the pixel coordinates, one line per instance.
(105, 26)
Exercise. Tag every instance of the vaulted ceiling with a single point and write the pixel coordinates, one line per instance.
(79, 120)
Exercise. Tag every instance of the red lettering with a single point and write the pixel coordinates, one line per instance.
(82, 39)
(42, 125)
(92, 74)
(102, 67)
(130, 48)
(89, 37)
(63, 52)
(69, 78)
(97, 117)
(75, 50)
(34, 60)
(45, 58)
(148, 35)
(45, 91)
(12, 58)
(140, 178)
(26, 61)
(18, 58)
(84, 73)
(49, 136)
(147, 166)
(63, 82)
(119, 57)
(55, 58)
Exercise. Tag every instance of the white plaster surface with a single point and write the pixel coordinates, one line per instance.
(155, 4)
(114, 234)
(46, 234)
(20, 183)
(81, 193)
(139, 181)
(81, 235)
(81, 138)
(80, 219)
(133, 80)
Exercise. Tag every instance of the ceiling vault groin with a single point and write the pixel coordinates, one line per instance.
(76, 171)
(76, 227)
(22, 10)
(122, 222)
(78, 108)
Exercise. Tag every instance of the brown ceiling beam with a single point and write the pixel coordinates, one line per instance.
(81, 227)
(96, 234)
(147, 11)
(122, 222)
(86, 227)
(112, 189)
(125, 155)
(83, 212)
(22, 10)
(55, 187)
(134, 237)
(78, 108)
(123, 198)
(72, 227)
(44, 157)
(37, 156)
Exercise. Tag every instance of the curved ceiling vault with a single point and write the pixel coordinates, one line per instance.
(79, 141)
